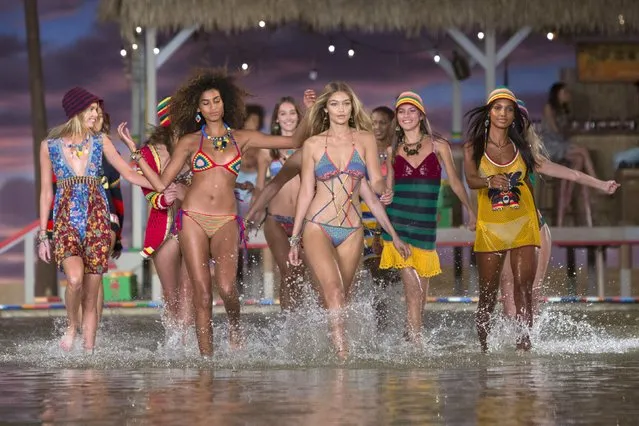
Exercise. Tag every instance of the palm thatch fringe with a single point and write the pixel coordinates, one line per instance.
(609, 17)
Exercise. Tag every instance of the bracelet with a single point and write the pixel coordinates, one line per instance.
(295, 240)
(42, 237)
(136, 155)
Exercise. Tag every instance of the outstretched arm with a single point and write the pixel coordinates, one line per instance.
(555, 170)
(290, 169)
(114, 158)
(443, 149)
(255, 139)
(180, 154)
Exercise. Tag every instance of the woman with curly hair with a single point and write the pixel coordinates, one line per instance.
(498, 161)
(336, 159)
(205, 114)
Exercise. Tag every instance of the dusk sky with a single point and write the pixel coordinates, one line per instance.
(78, 50)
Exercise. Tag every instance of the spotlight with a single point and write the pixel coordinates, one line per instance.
(437, 58)
(138, 30)
(480, 35)
(156, 50)
(134, 46)
(550, 36)
(261, 24)
(331, 48)
(245, 66)
(351, 52)
(123, 53)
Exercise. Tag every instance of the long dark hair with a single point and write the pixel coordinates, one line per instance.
(185, 102)
(277, 130)
(477, 133)
(553, 98)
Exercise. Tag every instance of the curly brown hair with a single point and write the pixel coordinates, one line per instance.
(185, 102)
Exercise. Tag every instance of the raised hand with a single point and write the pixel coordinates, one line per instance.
(125, 136)
(309, 98)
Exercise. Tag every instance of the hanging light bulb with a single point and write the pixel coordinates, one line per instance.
(261, 24)
(245, 66)
(156, 50)
(351, 52)
(138, 30)
(134, 46)
(123, 53)
(480, 35)
(331, 48)
(550, 36)
(437, 58)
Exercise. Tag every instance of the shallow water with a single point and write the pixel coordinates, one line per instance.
(583, 369)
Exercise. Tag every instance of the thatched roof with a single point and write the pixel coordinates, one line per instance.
(410, 16)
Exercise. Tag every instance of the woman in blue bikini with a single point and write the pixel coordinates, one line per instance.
(337, 157)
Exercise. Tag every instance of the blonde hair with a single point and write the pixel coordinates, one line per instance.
(318, 118)
(73, 127)
(537, 147)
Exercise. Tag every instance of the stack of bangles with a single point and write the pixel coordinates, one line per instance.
(488, 179)
(42, 237)
(136, 155)
(295, 240)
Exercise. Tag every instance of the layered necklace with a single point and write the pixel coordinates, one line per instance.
(413, 148)
(219, 142)
(79, 149)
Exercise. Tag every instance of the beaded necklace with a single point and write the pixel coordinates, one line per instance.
(219, 142)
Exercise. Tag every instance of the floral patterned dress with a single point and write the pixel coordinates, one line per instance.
(80, 213)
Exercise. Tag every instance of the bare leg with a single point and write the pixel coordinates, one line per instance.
(166, 260)
(489, 265)
(523, 261)
(92, 284)
(543, 258)
(195, 248)
(414, 303)
(224, 251)
(506, 286)
(185, 297)
(74, 270)
(290, 291)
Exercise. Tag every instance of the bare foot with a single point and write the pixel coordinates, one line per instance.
(66, 343)
(342, 355)
(523, 343)
(236, 340)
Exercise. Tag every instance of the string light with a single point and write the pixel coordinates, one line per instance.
(123, 53)
(245, 66)
(134, 46)
(437, 58)
(261, 24)
(138, 30)
(480, 35)
(331, 48)
(156, 50)
(351, 52)
(550, 36)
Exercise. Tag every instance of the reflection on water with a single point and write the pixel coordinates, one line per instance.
(583, 370)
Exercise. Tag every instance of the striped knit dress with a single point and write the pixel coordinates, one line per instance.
(413, 214)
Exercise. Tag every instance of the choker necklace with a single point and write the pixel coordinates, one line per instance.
(79, 149)
(413, 151)
(219, 142)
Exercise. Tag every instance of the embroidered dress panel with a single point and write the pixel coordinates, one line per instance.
(80, 212)
(506, 219)
(202, 162)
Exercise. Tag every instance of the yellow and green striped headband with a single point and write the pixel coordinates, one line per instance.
(501, 93)
(163, 112)
(410, 98)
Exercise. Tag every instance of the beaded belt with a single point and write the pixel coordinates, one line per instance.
(86, 180)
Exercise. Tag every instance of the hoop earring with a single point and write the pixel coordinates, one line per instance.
(397, 129)
(198, 117)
